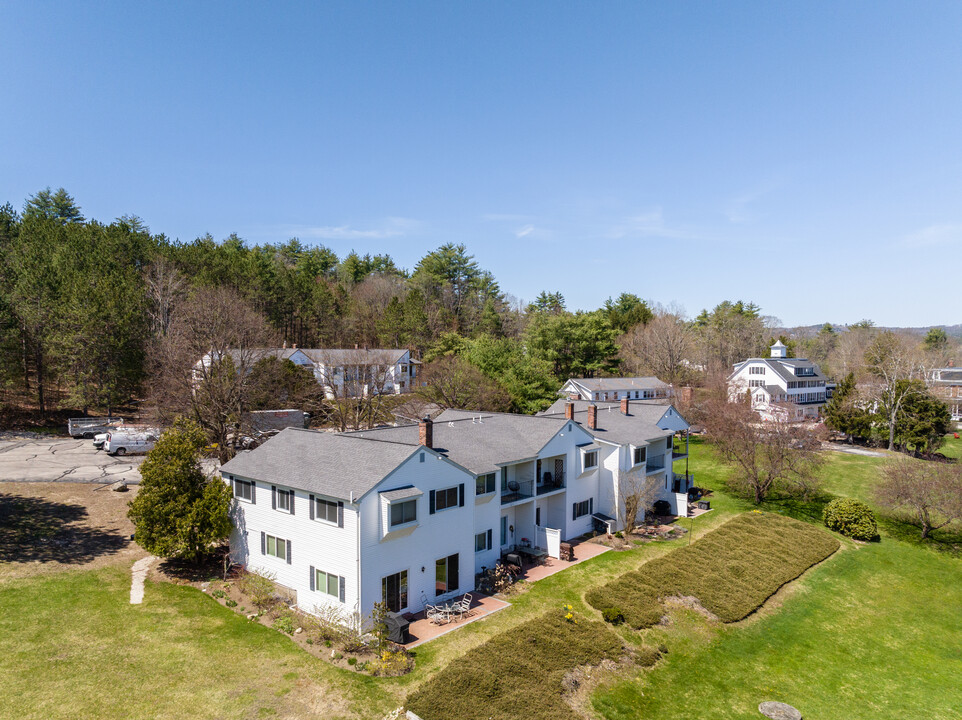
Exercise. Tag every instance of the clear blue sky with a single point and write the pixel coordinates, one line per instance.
(804, 156)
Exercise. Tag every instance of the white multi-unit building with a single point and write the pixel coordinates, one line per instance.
(411, 514)
(615, 389)
(341, 372)
(781, 388)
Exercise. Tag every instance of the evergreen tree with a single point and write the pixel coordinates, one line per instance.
(179, 512)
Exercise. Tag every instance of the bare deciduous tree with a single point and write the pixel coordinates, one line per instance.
(637, 493)
(659, 348)
(355, 384)
(890, 359)
(451, 382)
(923, 493)
(165, 288)
(203, 366)
(764, 457)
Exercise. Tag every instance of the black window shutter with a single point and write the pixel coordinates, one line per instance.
(574, 511)
(291, 493)
(340, 513)
(489, 540)
(263, 544)
(461, 495)
(253, 492)
(310, 502)
(591, 505)
(431, 503)
(288, 552)
(273, 498)
(340, 589)
(312, 578)
(453, 583)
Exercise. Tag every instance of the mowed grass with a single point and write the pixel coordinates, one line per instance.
(871, 633)
(71, 646)
(731, 570)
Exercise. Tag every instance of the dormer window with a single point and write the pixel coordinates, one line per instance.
(589, 459)
(639, 455)
(403, 513)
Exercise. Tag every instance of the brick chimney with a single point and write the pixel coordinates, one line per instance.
(592, 417)
(624, 406)
(426, 432)
(570, 410)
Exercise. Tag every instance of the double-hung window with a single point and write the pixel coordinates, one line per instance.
(276, 546)
(327, 583)
(482, 541)
(242, 490)
(591, 459)
(484, 484)
(405, 512)
(580, 509)
(640, 454)
(325, 510)
(446, 498)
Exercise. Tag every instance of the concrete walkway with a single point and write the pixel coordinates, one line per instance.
(137, 580)
(853, 450)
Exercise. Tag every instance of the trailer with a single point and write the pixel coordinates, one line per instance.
(266, 420)
(89, 427)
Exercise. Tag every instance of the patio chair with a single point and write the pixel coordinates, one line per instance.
(436, 615)
(466, 605)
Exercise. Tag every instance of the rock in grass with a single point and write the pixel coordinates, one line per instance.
(779, 711)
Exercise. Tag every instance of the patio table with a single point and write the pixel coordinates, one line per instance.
(534, 553)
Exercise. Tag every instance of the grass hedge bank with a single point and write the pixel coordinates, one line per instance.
(518, 673)
(731, 570)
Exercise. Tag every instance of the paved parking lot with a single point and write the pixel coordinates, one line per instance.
(28, 459)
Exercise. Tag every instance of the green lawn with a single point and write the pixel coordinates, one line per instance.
(871, 633)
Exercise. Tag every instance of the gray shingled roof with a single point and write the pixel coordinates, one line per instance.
(784, 368)
(558, 406)
(349, 356)
(615, 427)
(622, 383)
(479, 442)
(320, 462)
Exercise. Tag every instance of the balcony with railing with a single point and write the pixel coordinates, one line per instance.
(655, 464)
(551, 481)
(516, 491)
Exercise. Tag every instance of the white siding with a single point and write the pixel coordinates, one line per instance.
(446, 532)
(313, 542)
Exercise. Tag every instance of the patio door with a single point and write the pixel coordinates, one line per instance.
(394, 591)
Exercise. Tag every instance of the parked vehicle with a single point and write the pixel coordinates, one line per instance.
(101, 438)
(119, 442)
(90, 426)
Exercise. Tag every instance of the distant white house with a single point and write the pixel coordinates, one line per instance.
(410, 514)
(615, 389)
(781, 388)
(342, 372)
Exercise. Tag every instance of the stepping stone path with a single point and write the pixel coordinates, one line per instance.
(779, 711)
(137, 579)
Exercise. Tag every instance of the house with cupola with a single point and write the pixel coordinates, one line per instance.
(779, 387)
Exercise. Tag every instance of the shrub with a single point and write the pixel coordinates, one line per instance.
(218, 593)
(392, 663)
(619, 534)
(285, 623)
(352, 661)
(613, 615)
(230, 603)
(851, 518)
(259, 588)
(731, 570)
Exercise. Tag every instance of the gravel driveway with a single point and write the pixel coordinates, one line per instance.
(26, 458)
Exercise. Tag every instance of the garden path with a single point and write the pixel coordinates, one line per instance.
(138, 575)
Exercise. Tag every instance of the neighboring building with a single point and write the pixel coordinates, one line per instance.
(342, 372)
(782, 388)
(947, 384)
(362, 371)
(410, 514)
(615, 389)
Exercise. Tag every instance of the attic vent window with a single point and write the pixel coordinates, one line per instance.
(422, 457)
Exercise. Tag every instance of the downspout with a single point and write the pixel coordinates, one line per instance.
(357, 555)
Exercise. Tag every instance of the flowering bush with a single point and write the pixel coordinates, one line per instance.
(569, 613)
